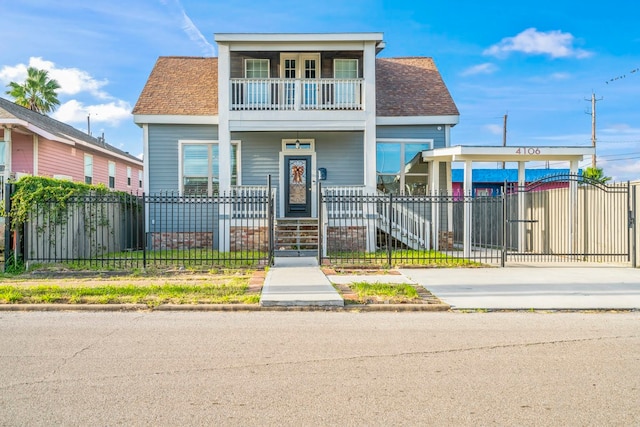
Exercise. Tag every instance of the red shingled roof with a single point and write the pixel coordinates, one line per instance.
(181, 85)
(411, 87)
(189, 86)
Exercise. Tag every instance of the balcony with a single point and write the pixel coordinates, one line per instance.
(297, 94)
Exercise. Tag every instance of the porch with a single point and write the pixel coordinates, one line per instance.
(296, 94)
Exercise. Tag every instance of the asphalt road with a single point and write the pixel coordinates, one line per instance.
(319, 368)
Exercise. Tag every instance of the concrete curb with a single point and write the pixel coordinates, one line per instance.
(219, 307)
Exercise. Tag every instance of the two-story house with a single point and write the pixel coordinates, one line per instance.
(35, 144)
(297, 107)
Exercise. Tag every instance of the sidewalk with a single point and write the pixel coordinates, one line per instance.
(298, 282)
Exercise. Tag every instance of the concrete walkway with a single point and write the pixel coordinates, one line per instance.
(298, 282)
(539, 288)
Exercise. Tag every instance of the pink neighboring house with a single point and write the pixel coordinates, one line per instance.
(34, 144)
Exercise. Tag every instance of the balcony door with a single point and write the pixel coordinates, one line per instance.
(304, 68)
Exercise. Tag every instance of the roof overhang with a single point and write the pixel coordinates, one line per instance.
(175, 119)
(418, 120)
(68, 140)
(461, 153)
(306, 41)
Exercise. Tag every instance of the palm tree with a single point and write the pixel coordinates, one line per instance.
(38, 92)
(595, 174)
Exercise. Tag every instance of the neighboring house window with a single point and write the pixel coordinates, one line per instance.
(257, 91)
(200, 168)
(112, 175)
(400, 168)
(128, 176)
(346, 93)
(139, 179)
(88, 168)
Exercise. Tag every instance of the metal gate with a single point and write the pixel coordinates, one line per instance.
(569, 218)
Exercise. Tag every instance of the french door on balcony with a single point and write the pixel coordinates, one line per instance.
(305, 69)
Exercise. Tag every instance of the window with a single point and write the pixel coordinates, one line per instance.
(400, 167)
(200, 168)
(139, 179)
(257, 91)
(347, 92)
(112, 175)
(88, 168)
(128, 176)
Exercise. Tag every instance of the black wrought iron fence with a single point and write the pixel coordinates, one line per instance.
(409, 230)
(120, 231)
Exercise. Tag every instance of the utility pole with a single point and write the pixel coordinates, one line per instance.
(593, 126)
(504, 135)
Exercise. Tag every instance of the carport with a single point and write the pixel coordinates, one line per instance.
(520, 154)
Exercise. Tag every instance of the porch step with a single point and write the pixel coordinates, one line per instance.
(296, 236)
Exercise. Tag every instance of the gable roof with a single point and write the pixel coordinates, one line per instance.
(181, 85)
(411, 86)
(52, 129)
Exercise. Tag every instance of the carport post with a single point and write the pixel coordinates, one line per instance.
(573, 211)
(522, 226)
(468, 194)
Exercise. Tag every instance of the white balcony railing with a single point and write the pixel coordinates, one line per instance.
(297, 94)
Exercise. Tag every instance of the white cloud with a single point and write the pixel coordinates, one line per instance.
(486, 68)
(111, 113)
(187, 25)
(494, 129)
(556, 44)
(72, 81)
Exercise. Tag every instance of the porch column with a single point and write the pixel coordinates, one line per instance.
(573, 211)
(434, 184)
(522, 226)
(369, 155)
(224, 146)
(467, 194)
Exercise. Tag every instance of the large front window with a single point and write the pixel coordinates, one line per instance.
(201, 166)
(400, 167)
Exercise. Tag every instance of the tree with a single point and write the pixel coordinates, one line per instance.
(37, 93)
(595, 174)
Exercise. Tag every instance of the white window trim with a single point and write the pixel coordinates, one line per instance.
(183, 142)
(311, 141)
(140, 180)
(258, 59)
(129, 180)
(300, 57)
(336, 60)
(403, 173)
(84, 176)
(109, 165)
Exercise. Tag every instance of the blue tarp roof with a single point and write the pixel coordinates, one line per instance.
(509, 175)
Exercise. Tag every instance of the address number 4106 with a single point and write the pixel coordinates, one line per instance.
(528, 150)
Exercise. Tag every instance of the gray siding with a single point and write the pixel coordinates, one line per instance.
(341, 153)
(422, 132)
(163, 152)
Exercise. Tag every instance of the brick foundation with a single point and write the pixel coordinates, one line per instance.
(181, 241)
(249, 239)
(445, 241)
(352, 238)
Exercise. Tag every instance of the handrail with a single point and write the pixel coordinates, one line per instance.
(296, 94)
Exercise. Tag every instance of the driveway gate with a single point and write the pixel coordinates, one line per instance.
(569, 218)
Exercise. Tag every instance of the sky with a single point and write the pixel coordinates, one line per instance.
(537, 63)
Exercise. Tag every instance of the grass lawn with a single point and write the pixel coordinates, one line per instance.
(150, 290)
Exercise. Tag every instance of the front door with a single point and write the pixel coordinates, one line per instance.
(297, 186)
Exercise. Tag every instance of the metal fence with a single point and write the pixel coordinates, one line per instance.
(121, 231)
(408, 230)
